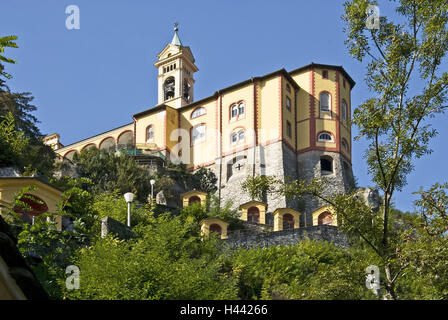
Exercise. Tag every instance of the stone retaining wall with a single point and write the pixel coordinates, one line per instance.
(290, 237)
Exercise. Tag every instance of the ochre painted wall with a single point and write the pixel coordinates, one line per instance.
(268, 106)
(265, 118)
(9, 187)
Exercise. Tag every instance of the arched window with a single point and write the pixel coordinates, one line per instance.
(215, 228)
(344, 111)
(194, 199)
(108, 144)
(240, 108)
(168, 88)
(253, 214)
(326, 165)
(69, 155)
(288, 221)
(187, 88)
(344, 145)
(237, 136)
(325, 101)
(88, 147)
(198, 112)
(234, 111)
(325, 218)
(126, 140)
(237, 110)
(150, 133)
(325, 137)
(198, 133)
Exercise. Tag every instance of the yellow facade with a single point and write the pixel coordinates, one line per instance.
(279, 215)
(208, 224)
(280, 106)
(267, 118)
(319, 212)
(191, 196)
(9, 187)
(259, 206)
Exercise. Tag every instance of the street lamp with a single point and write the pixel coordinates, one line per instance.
(152, 182)
(129, 197)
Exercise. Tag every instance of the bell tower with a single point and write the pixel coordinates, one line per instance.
(176, 68)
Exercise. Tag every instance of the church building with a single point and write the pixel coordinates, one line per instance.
(290, 124)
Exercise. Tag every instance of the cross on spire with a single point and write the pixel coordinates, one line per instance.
(176, 40)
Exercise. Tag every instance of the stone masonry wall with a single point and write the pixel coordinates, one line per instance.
(340, 181)
(278, 160)
(272, 160)
(290, 237)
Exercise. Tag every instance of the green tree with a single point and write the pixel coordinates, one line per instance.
(167, 261)
(13, 143)
(258, 186)
(203, 179)
(36, 157)
(400, 57)
(308, 270)
(110, 172)
(6, 42)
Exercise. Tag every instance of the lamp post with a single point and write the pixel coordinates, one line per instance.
(152, 182)
(129, 197)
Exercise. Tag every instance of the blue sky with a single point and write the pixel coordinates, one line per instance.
(90, 80)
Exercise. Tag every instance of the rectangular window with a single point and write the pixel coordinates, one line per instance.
(325, 74)
(288, 129)
(198, 133)
(288, 103)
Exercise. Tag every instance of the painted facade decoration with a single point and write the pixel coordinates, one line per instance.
(292, 124)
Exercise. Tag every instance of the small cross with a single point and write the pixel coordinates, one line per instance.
(175, 26)
(239, 166)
